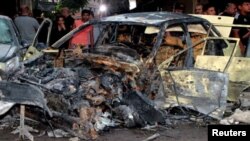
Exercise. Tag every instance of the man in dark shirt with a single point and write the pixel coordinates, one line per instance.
(209, 9)
(244, 19)
(178, 8)
(230, 10)
(69, 21)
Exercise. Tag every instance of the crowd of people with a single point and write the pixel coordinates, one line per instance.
(64, 23)
(239, 10)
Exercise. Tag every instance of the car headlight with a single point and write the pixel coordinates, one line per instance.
(10, 65)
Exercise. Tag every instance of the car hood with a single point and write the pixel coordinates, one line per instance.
(118, 52)
(115, 57)
(5, 49)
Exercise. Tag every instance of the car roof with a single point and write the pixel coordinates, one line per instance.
(140, 18)
(153, 18)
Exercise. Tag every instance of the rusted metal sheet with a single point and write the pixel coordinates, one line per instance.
(200, 90)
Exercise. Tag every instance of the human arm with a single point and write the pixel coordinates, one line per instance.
(35, 24)
(241, 45)
(91, 35)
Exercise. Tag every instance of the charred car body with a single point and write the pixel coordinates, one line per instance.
(232, 62)
(141, 64)
(10, 44)
(13, 48)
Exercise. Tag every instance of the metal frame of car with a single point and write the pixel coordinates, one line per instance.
(156, 19)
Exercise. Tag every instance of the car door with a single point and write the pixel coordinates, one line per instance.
(199, 89)
(231, 62)
(34, 51)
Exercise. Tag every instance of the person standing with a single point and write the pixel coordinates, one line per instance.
(69, 21)
(198, 9)
(209, 9)
(178, 8)
(242, 32)
(230, 10)
(96, 30)
(26, 24)
(85, 37)
(59, 30)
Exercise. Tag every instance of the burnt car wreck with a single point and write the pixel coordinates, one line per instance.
(141, 64)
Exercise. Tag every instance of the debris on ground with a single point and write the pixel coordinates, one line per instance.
(156, 135)
(90, 98)
(237, 117)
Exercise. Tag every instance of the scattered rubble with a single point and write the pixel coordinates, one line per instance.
(85, 100)
(245, 99)
(92, 97)
(237, 117)
(58, 133)
(152, 137)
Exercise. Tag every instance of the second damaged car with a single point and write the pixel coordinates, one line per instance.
(139, 65)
